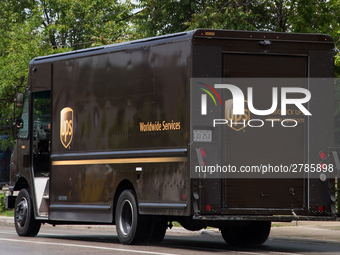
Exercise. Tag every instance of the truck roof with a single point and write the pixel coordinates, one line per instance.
(264, 36)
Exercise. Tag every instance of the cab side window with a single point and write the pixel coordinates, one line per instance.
(23, 132)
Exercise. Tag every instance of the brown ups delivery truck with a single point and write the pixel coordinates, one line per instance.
(229, 129)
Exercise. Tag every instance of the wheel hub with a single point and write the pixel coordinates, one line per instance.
(21, 212)
(126, 217)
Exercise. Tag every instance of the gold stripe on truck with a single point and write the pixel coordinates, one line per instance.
(118, 161)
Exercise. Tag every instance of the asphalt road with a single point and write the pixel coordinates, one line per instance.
(284, 239)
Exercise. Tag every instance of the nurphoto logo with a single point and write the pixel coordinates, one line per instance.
(238, 110)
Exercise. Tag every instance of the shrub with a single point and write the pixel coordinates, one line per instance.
(2, 202)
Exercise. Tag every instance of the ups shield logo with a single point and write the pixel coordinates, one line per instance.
(66, 126)
(236, 122)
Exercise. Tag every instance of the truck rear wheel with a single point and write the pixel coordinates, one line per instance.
(253, 233)
(158, 228)
(25, 224)
(132, 228)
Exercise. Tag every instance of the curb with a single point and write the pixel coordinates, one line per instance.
(6, 220)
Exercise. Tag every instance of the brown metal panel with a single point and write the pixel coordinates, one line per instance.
(41, 76)
(266, 145)
(321, 131)
(264, 193)
(208, 61)
(264, 66)
(263, 42)
(112, 95)
(117, 99)
(236, 35)
(262, 54)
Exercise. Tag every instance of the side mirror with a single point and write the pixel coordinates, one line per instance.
(19, 123)
(19, 101)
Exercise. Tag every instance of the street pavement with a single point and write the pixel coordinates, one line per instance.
(314, 231)
(307, 238)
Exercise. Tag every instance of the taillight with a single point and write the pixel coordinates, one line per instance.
(203, 153)
(322, 155)
(323, 166)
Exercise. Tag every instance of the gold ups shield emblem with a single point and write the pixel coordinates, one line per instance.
(236, 122)
(66, 126)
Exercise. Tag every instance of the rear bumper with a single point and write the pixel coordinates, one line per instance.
(277, 218)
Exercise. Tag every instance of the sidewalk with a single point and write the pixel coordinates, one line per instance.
(323, 231)
(313, 230)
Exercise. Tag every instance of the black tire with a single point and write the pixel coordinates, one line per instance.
(132, 228)
(157, 230)
(251, 234)
(25, 224)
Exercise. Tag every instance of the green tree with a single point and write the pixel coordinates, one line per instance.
(32, 28)
(162, 17)
(20, 41)
(300, 16)
(80, 24)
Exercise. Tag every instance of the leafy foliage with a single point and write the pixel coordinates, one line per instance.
(32, 28)
(77, 24)
(2, 202)
(300, 16)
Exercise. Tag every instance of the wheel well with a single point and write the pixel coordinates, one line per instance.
(21, 184)
(123, 185)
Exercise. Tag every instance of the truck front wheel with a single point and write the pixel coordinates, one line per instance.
(132, 228)
(252, 233)
(25, 224)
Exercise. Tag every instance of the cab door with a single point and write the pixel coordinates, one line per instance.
(41, 144)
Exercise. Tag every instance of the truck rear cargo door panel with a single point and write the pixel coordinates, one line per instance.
(267, 145)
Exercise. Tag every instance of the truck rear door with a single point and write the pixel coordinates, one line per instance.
(250, 147)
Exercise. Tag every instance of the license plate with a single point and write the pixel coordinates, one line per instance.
(202, 136)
